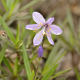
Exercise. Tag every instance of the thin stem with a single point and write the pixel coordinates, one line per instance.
(36, 71)
(39, 61)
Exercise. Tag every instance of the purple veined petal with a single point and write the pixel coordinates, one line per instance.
(33, 26)
(40, 51)
(48, 34)
(38, 37)
(55, 30)
(50, 20)
(38, 18)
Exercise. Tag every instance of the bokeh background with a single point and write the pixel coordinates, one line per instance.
(67, 17)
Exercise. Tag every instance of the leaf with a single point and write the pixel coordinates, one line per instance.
(26, 62)
(3, 70)
(33, 58)
(28, 5)
(9, 33)
(19, 78)
(9, 3)
(1, 11)
(77, 74)
(5, 15)
(32, 75)
(2, 53)
(7, 64)
(70, 21)
(17, 35)
(57, 74)
(51, 57)
(23, 17)
(23, 35)
(14, 3)
(16, 67)
(4, 4)
(56, 59)
(46, 77)
(62, 78)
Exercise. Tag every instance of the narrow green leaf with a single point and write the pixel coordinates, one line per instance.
(77, 74)
(23, 17)
(5, 15)
(2, 53)
(12, 7)
(9, 3)
(56, 59)
(3, 70)
(59, 58)
(19, 78)
(17, 35)
(29, 4)
(23, 35)
(16, 67)
(46, 77)
(66, 42)
(7, 64)
(32, 75)
(9, 33)
(62, 78)
(4, 4)
(18, 44)
(1, 11)
(70, 21)
(26, 62)
(33, 58)
(52, 54)
(51, 57)
(57, 74)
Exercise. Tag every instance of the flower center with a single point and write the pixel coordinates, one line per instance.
(46, 26)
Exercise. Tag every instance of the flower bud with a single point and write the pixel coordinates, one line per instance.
(40, 51)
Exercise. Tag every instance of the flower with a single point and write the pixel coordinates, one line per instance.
(47, 28)
(40, 51)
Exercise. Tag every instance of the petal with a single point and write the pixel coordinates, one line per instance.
(33, 26)
(40, 51)
(55, 30)
(50, 20)
(49, 37)
(38, 37)
(38, 18)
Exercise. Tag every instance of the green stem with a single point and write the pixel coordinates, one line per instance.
(36, 71)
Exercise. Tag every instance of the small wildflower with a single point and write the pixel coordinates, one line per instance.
(40, 51)
(47, 28)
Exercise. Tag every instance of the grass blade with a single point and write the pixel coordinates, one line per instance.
(46, 77)
(4, 4)
(32, 75)
(60, 73)
(19, 78)
(7, 64)
(2, 53)
(16, 67)
(51, 57)
(28, 5)
(77, 74)
(9, 33)
(26, 62)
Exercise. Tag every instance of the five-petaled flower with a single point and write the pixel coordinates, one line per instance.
(47, 28)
